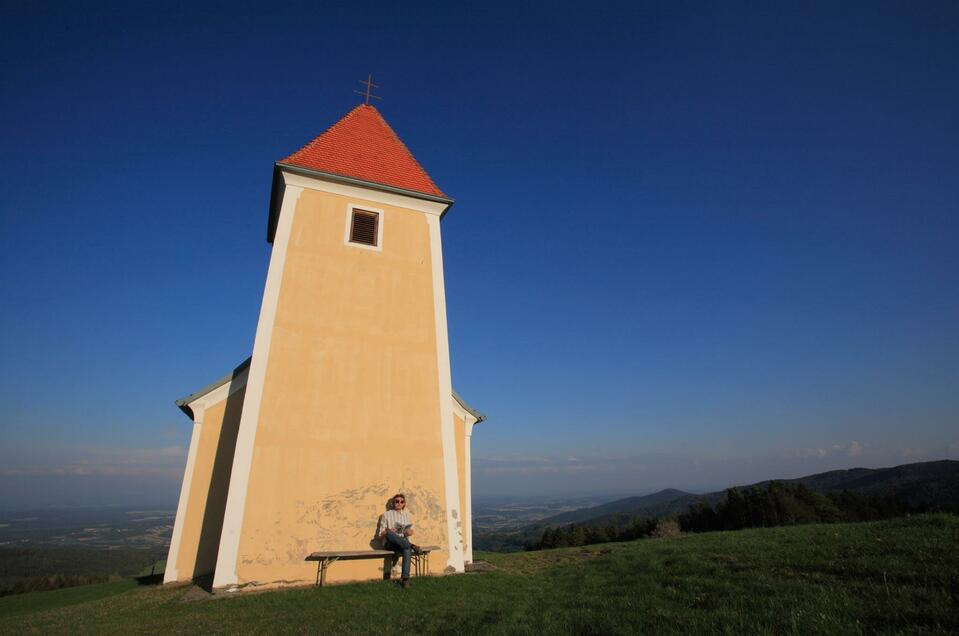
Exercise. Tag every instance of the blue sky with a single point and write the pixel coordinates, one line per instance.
(692, 245)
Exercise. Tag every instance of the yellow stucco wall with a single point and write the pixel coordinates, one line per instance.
(350, 411)
(209, 486)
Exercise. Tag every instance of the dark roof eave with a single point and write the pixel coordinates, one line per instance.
(469, 409)
(338, 178)
(183, 402)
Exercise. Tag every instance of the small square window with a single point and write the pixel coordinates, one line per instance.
(364, 227)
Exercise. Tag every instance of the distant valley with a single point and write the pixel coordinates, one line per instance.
(87, 542)
(106, 528)
(503, 514)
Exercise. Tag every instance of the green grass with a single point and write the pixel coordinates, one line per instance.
(17, 564)
(899, 576)
(41, 601)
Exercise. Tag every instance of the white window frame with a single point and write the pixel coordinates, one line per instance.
(380, 222)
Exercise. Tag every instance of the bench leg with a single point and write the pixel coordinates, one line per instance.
(324, 564)
(421, 563)
(388, 564)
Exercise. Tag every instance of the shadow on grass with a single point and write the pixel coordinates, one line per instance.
(150, 579)
(151, 576)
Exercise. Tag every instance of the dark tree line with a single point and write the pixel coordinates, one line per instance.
(575, 535)
(783, 504)
(46, 583)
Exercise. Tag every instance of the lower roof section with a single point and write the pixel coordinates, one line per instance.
(184, 402)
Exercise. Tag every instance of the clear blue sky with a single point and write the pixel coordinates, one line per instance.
(692, 245)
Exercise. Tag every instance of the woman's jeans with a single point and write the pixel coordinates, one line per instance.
(400, 543)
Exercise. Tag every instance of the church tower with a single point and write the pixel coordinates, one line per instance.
(347, 398)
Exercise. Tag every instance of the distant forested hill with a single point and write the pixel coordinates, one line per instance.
(934, 485)
(931, 484)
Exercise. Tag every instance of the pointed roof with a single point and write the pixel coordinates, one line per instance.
(363, 146)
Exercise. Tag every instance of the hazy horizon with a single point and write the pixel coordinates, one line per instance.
(83, 496)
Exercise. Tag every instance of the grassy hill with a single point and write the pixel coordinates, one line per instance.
(891, 576)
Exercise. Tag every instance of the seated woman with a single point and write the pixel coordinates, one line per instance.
(396, 527)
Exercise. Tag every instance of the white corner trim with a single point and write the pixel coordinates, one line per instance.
(226, 559)
(380, 222)
(365, 194)
(468, 504)
(454, 516)
(171, 574)
(458, 409)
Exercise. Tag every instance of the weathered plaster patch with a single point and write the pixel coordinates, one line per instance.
(345, 520)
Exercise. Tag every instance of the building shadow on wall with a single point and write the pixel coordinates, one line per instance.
(212, 526)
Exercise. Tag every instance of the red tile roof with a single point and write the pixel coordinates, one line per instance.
(363, 146)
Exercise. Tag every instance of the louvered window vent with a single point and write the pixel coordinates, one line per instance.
(363, 227)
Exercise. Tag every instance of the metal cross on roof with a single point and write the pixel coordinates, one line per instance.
(368, 93)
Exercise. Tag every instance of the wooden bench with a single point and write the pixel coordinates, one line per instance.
(420, 563)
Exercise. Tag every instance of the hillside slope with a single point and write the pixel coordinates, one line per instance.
(658, 504)
(925, 483)
(933, 484)
(891, 576)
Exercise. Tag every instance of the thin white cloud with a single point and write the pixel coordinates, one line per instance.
(538, 459)
(530, 470)
(160, 463)
(526, 465)
(852, 449)
(812, 452)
